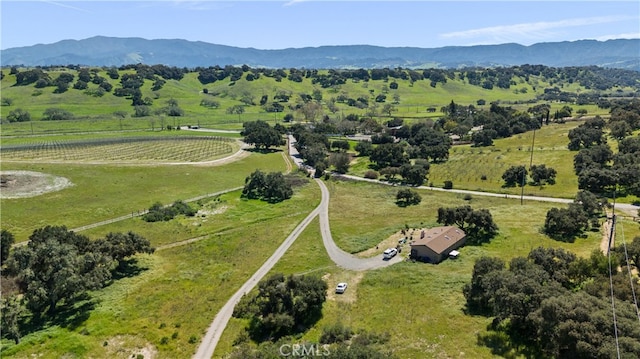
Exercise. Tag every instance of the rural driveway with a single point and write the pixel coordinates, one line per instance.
(211, 338)
(340, 257)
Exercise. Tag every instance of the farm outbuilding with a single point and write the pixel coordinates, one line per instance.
(435, 244)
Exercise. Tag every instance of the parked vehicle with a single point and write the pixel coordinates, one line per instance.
(341, 287)
(390, 253)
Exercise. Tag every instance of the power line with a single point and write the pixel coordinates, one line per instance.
(613, 301)
(633, 290)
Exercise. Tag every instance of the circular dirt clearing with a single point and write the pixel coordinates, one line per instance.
(22, 184)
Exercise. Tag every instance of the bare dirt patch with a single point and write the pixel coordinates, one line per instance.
(394, 240)
(351, 278)
(129, 346)
(23, 184)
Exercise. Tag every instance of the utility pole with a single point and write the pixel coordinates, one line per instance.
(522, 186)
(611, 232)
(533, 143)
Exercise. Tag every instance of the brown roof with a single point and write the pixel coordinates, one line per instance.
(439, 238)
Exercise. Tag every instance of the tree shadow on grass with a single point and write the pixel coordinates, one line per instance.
(127, 268)
(70, 316)
(504, 346)
(499, 343)
(263, 150)
(74, 315)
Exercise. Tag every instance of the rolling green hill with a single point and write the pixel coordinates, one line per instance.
(400, 93)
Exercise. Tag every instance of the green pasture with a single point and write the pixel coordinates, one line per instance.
(467, 164)
(168, 305)
(102, 113)
(420, 305)
(180, 289)
(101, 192)
(362, 215)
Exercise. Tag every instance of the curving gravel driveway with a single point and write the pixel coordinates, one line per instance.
(338, 256)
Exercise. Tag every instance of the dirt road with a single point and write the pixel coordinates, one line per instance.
(628, 208)
(211, 338)
(340, 257)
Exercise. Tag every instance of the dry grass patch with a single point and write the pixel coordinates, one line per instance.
(129, 346)
(400, 238)
(351, 278)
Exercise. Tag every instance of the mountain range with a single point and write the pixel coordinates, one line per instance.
(115, 51)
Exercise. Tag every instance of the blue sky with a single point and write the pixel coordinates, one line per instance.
(307, 23)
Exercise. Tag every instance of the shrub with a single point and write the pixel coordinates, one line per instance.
(448, 185)
(158, 212)
(406, 197)
(335, 333)
(56, 114)
(371, 174)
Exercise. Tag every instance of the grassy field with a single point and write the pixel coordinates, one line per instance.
(179, 289)
(103, 192)
(163, 311)
(416, 303)
(467, 165)
(100, 113)
(420, 305)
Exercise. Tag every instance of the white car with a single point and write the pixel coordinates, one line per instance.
(341, 287)
(389, 253)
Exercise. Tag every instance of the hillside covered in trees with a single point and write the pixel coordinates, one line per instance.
(111, 51)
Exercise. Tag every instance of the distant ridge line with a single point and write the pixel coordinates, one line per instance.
(117, 51)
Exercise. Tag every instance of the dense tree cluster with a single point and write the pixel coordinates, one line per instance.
(58, 267)
(477, 224)
(556, 304)
(56, 114)
(588, 134)
(6, 241)
(283, 305)
(261, 134)
(599, 170)
(271, 187)
(312, 144)
(567, 223)
(19, 115)
(541, 174)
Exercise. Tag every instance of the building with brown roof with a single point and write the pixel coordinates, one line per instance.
(435, 244)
